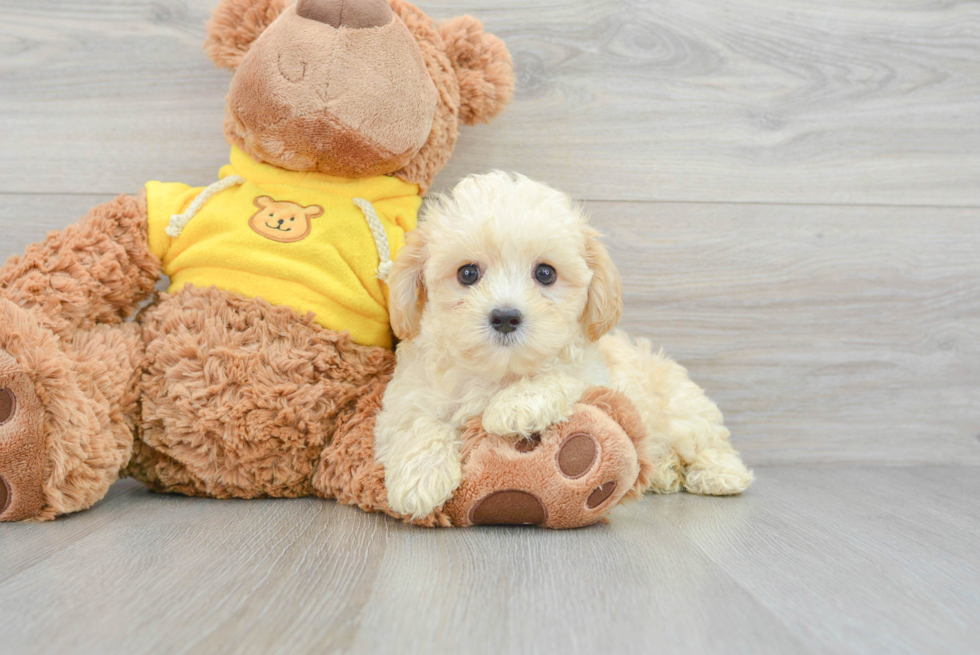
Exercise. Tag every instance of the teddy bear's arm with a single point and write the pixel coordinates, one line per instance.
(98, 270)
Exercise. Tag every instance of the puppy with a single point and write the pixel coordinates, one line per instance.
(503, 300)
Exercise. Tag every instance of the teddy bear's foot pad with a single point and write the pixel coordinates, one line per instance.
(21, 444)
(509, 507)
(569, 477)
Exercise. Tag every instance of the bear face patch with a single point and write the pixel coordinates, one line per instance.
(283, 221)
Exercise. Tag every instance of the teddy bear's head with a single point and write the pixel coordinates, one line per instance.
(355, 88)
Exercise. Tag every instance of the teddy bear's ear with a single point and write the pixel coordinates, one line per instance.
(313, 211)
(234, 26)
(483, 66)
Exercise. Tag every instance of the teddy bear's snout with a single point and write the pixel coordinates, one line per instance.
(354, 14)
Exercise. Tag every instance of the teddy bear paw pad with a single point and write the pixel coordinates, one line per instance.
(509, 507)
(601, 494)
(528, 444)
(577, 455)
(21, 444)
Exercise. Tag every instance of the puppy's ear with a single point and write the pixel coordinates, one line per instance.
(406, 287)
(483, 66)
(234, 26)
(605, 304)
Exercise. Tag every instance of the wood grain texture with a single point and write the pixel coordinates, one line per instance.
(825, 334)
(811, 560)
(830, 101)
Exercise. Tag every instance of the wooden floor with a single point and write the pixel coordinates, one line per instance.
(848, 559)
(792, 192)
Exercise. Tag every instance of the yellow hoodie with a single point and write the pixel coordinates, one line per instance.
(293, 239)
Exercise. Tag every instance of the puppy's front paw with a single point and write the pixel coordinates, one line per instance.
(519, 410)
(425, 481)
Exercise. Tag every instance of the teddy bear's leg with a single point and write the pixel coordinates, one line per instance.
(68, 382)
(240, 398)
(67, 413)
(96, 271)
(571, 477)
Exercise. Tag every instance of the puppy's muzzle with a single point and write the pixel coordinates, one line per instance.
(506, 320)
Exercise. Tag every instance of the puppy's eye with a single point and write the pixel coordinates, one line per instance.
(545, 274)
(468, 275)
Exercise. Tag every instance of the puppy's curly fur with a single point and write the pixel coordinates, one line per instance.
(453, 364)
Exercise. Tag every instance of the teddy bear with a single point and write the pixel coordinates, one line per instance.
(259, 372)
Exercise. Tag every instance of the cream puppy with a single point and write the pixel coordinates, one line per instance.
(503, 298)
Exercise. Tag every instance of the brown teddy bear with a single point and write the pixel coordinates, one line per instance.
(259, 373)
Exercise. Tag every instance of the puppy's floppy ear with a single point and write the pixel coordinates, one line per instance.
(234, 26)
(604, 307)
(483, 66)
(406, 287)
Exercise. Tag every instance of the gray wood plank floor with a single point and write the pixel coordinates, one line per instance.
(792, 193)
(842, 559)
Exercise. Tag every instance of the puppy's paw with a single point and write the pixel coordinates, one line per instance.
(717, 473)
(417, 486)
(524, 411)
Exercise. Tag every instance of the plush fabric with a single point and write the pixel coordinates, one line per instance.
(454, 72)
(483, 67)
(502, 467)
(296, 418)
(345, 102)
(568, 478)
(72, 430)
(240, 397)
(338, 13)
(61, 308)
(235, 25)
(294, 239)
(215, 392)
(97, 271)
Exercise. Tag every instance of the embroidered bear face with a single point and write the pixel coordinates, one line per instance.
(283, 221)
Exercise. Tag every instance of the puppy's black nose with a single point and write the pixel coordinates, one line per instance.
(505, 320)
